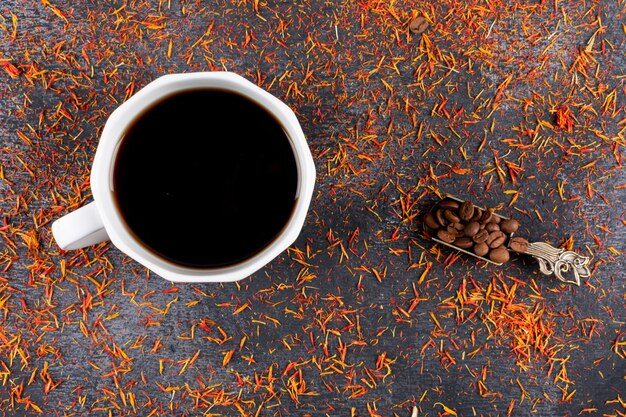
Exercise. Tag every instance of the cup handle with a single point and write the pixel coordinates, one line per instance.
(80, 228)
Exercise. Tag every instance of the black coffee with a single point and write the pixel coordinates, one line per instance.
(205, 178)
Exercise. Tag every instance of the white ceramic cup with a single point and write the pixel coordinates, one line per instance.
(100, 220)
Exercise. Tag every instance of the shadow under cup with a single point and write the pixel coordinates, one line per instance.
(205, 178)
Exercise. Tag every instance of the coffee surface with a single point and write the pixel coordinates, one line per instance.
(205, 178)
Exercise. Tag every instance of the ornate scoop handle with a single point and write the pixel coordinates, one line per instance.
(566, 265)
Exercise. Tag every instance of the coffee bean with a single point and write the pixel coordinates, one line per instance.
(486, 217)
(452, 230)
(471, 229)
(481, 249)
(447, 204)
(459, 226)
(499, 255)
(518, 244)
(496, 239)
(509, 226)
(466, 211)
(430, 221)
(481, 236)
(441, 218)
(492, 227)
(418, 25)
(451, 217)
(445, 236)
(477, 214)
(496, 219)
(464, 242)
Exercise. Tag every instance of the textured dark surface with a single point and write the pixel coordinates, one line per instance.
(475, 107)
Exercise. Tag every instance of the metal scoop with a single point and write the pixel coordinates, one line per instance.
(569, 267)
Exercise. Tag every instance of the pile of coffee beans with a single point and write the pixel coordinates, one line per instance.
(480, 231)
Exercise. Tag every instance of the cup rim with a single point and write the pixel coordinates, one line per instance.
(102, 169)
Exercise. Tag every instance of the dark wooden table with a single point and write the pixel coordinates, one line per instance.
(517, 105)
